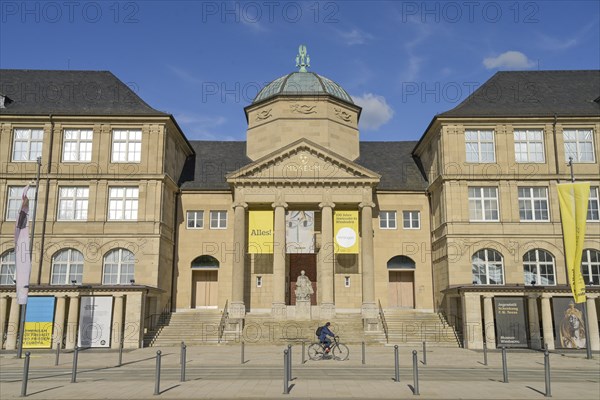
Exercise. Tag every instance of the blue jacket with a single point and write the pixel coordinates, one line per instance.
(324, 333)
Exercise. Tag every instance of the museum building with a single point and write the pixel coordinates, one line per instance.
(302, 221)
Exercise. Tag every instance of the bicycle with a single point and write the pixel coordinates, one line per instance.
(339, 351)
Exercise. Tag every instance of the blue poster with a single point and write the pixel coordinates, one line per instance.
(39, 321)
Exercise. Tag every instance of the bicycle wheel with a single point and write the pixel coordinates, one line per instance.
(341, 352)
(315, 351)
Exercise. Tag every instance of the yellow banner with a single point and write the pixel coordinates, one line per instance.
(38, 335)
(260, 232)
(345, 229)
(573, 198)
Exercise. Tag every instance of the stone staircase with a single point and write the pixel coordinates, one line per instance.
(414, 327)
(194, 327)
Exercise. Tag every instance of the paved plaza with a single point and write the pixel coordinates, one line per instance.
(217, 372)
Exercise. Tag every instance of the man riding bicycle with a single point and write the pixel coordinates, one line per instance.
(324, 336)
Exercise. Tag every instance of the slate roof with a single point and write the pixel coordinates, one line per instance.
(213, 160)
(533, 93)
(42, 92)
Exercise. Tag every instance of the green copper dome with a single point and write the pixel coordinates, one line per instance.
(302, 83)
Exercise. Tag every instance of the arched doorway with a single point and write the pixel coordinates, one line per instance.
(205, 282)
(401, 286)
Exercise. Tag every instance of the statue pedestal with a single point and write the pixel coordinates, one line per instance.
(303, 310)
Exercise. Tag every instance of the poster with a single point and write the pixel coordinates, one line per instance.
(569, 324)
(511, 324)
(95, 315)
(345, 231)
(39, 321)
(260, 232)
(300, 232)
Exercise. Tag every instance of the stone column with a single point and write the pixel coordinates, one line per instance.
(237, 309)
(472, 332)
(534, 322)
(72, 322)
(369, 308)
(594, 336)
(13, 324)
(547, 322)
(326, 261)
(279, 309)
(488, 317)
(117, 326)
(134, 320)
(59, 321)
(3, 317)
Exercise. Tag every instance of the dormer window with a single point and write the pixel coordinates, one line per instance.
(4, 100)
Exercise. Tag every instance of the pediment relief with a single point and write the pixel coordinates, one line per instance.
(303, 162)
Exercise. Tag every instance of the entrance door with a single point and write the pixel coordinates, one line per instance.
(308, 264)
(205, 289)
(401, 289)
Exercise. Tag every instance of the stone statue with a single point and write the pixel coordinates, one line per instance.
(303, 287)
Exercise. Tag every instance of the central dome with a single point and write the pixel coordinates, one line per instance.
(302, 83)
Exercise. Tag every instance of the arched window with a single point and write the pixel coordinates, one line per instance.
(488, 267)
(205, 262)
(7, 268)
(590, 266)
(118, 267)
(538, 268)
(401, 262)
(67, 267)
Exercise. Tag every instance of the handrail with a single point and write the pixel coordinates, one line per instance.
(383, 322)
(166, 311)
(223, 322)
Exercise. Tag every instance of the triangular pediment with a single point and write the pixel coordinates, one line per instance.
(303, 162)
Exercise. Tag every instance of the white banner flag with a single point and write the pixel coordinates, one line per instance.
(22, 254)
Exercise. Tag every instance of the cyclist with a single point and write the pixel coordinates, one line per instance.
(324, 336)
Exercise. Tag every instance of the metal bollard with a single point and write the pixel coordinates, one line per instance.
(286, 388)
(303, 352)
(183, 357)
(364, 360)
(58, 344)
(181, 352)
(290, 362)
(547, 373)
(74, 372)
(397, 364)
(242, 352)
(415, 373)
(157, 374)
(121, 353)
(25, 375)
(504, 366)
(484, 353)
(424, 353)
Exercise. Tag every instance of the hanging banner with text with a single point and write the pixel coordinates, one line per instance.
(345, 230)
(260, 232)
(569, 324)
(95, 315)
(39, 321)
(511, 324)
(300, 232)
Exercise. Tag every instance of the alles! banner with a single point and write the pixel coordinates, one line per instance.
(260, 232)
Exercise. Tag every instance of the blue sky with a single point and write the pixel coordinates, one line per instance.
(203, 62)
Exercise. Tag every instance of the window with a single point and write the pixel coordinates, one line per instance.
(7, 268)
(533, 203)
(538, 268)
(480, 146)
(126, 145)
(123, 203)
(411, 219)
(387, 219)
(259, 281)
(483, 204)
(27, 145)
(590, 266)
(488, 267)
(579, 145)
(73, 203)
(529, 146)
(195, 219)
(218, 219)
(67, 267)
(77, 145)
(118, 267)
(15, 199)
(593, 213)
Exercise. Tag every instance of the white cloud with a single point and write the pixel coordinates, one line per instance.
(355, 36)
(510, 59)
(201, 121)
(375, 110)
(185, 75)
